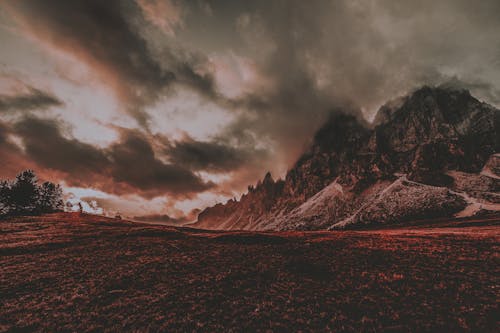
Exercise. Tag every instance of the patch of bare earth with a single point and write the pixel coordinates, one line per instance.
(66, 272)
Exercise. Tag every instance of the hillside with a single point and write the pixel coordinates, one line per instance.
(434, 152)
(83, 273)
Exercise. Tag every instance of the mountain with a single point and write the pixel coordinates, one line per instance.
(433, 153)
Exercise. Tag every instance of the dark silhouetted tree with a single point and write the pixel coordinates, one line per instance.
(50, 198)
(24, 193)
(5, 201)
(23, 196)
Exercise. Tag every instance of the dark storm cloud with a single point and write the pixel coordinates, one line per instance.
(325, 54)
(102, 34)
(3, 134)
(130, 161)
(212, 156)
(34, 99)
(134, 162)
(322, 55)
(310, 57)
(45, 144)
(11, 157)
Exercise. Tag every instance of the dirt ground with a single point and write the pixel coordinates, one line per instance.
(79, 273)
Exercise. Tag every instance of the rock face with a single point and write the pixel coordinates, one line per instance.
(431, 153)
(405, 200)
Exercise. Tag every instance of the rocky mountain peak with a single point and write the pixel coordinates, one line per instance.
(444, 104)
(430, 136)
(340, 132)
(268, 179)
(431, 115)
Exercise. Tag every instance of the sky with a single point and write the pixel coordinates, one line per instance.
(164, 107)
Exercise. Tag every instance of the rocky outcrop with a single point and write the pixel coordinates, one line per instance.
(246, 212)
(426, 147)
(492, 167)
(405, 200)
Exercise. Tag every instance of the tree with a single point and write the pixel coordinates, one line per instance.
(50, 198)
(24, 193)
(23, 196)
(5, 200)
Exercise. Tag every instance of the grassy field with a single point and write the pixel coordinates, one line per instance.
(71, 272)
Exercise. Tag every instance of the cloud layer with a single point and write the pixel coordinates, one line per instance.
(128, 165)
(105, 36)
(34, 99)
(260, 75)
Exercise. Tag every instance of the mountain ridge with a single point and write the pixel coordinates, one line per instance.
(425, 137)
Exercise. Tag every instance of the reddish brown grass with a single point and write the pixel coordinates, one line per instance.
(66, 272)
